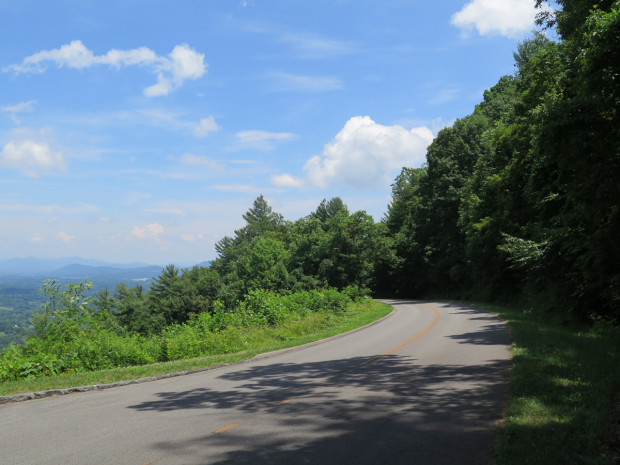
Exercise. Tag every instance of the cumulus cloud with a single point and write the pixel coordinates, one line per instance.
(510, 18)
(181, 64)
(286, 180)
(150, 231)
(363, 155)
(31, 157)
(206, 126)
(184, 63)
(262, 139)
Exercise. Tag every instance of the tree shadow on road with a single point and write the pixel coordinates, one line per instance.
(362, 410)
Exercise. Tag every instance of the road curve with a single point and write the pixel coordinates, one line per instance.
(424, 386)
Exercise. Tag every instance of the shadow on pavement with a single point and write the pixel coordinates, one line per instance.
(362, 410)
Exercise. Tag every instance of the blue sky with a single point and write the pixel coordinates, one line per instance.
(142, 130)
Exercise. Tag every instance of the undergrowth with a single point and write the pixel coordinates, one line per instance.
(562, 403)
(197, 344)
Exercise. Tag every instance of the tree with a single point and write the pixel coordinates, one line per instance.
(133, 312)
(65, 313)
(329, 209)
(266, 265)
(260, 218)
(171, 296)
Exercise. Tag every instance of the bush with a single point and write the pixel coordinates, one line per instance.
(73, 341)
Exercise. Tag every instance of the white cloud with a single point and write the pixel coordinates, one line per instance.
(284, 82)
(21, 107)
(184, 63)
(286, 180)
(64, 237)
(31, 157)
(312, 46)
(150, 231)
(510, 18)
(181, 64)
(37, 238)
(206, 126)
(363, 155)
(192, 237)
(262, 139)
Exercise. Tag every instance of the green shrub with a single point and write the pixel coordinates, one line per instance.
(72, 340)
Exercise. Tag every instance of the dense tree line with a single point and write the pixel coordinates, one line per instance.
(521, 198)
(329, 248)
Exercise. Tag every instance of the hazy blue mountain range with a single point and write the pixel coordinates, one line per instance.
(21, 279)
(39, 266)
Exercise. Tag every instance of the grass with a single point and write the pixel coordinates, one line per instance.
(563, 400)
(255, 341)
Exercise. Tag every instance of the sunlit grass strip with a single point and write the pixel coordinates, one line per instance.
(560, 406)
(293, 332)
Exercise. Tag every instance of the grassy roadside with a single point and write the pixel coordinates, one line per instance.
(256, 340)
(563, 400)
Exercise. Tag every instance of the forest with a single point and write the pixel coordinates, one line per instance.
(517, 202)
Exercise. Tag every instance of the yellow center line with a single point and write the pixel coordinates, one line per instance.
(227, 428)
(411, 340)
(393, 350)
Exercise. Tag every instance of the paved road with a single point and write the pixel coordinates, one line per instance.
(424, 386)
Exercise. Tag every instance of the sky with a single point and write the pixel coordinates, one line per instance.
(142, 130)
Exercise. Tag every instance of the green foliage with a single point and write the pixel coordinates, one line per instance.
(72, 337)
(65, 313)
(520, 199)
(523, 254)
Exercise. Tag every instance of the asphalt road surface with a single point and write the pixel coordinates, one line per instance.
(423, 386)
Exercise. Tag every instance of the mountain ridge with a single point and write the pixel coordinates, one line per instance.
(39, 266)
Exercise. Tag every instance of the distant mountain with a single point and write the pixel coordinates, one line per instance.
(45, 266)
(107, 273)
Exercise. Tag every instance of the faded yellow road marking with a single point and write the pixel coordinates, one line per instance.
(419, 335)
(411, 340)
(227, 428)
